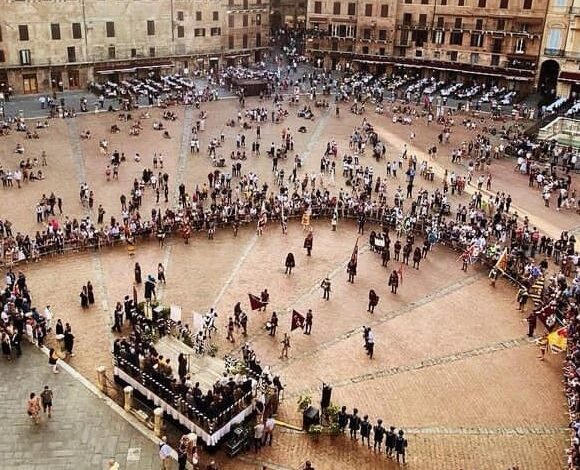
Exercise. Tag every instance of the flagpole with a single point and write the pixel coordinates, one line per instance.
(504, 273)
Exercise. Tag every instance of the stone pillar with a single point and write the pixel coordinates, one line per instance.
(563, 88)
(158, 421)
(101, 379)
(128, 397)
(64, 79)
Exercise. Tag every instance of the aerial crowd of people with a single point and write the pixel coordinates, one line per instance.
(395, 195)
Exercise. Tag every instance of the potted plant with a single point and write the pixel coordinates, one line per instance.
(333, 428)
(315, 430)
(332, 412)
(304, 401)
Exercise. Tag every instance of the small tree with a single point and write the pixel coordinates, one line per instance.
(332, 416)
(304, 401)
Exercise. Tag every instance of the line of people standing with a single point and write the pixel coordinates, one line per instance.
(395, 442)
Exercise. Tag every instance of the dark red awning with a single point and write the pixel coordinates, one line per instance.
(132, 64)
(569, 76)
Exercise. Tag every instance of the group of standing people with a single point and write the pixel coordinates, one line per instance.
(395, 441)
(87, 295)
(20, 320)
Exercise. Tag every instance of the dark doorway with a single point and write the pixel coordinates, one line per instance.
(56, 82)
(74, 81)
(276, 20)
(214, 63)
(549, 78)
(3, 81)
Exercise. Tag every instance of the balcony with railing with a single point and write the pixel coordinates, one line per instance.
(247, 7)
(111, 54)
(559, 9)
(553, 52)
(341, 35)
(331, 17)
(513, 63)
(404, 40)
(574, 10)
(399, 57)
(572, 55)
(451, 26)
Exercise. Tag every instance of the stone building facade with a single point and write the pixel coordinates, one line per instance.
(498, 41)
(288, 13)
(66, 44)
(559, 73)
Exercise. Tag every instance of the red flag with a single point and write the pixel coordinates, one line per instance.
(297, 320)
(255, 302)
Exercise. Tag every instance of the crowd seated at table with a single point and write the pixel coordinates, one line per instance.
(138, 357)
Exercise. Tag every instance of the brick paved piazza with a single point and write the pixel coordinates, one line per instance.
(452, 364)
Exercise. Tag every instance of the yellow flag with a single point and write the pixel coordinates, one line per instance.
(558, 340)
(502, 261)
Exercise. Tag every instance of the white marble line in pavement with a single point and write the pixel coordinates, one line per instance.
(235, 270)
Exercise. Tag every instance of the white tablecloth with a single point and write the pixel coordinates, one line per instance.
(209, 439)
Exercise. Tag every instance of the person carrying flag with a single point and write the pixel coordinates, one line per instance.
(264, 298)
(351, 270)
(502, 261)
(352, 264)
(256, 303)
(298, 320)
(308, 322)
